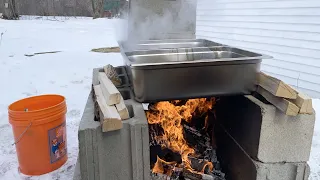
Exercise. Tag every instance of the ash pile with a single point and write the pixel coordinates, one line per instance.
(182, 145)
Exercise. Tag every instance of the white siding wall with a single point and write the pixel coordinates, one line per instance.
(288, 30)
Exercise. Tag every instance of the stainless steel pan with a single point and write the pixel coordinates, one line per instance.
(204, 69)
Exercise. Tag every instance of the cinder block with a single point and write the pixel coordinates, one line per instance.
(264, 132)
(238, 165)
(116, 155)
(76, 173)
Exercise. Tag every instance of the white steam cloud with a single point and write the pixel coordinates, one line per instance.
(157, 19)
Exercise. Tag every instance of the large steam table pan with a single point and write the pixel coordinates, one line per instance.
(183, 73)
(169, 44)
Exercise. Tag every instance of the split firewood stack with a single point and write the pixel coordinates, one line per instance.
(109, 104)
(283, 96)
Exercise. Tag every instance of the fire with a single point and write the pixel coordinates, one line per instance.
(170, 115)
(159, 167)
(209, 165)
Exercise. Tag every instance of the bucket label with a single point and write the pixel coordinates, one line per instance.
(57, 142)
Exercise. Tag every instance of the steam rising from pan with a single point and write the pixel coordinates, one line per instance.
(157, 19)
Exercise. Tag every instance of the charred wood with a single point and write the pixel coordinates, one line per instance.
(192, 176)
(218, 175)
(198, 164)
(200, 141)
(159, 176)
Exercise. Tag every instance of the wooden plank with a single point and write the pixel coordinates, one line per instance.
(282, 104)
(304, 102)
(112, 75)
(277, 87)
(109, 116)
(107, 50)
(109, 91)
(122, 110)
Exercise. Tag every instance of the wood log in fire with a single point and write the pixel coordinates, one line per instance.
(201, 165)
(199, 140)
(181, 139)
(194, 176)
(191, 175)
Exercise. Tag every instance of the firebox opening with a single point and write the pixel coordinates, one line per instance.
(182, 139)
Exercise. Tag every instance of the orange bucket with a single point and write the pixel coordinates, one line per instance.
(39, 128)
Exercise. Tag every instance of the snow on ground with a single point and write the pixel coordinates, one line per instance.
(67, 73)
(314, 161)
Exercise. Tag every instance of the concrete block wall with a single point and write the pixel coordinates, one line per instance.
(116, 155)
(238, 165)
(264, 132)
(255, 142)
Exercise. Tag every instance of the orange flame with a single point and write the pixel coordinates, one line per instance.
(169, 116)
(209, 165)
(158, 167)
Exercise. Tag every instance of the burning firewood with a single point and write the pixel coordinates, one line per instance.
(201, 165)
(195, 176)
(191, 176)
(218, 175)
(164, 154)
(197, 139)
(164, 167)
(155, 131)
(159, 176)
(180, 139)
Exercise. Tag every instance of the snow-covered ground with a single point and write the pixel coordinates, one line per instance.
(314, 161)
(67, 73)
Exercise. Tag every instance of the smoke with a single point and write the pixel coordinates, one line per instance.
(121, 29)
(157, 19)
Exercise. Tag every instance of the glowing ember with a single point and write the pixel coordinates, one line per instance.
(170, 115)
